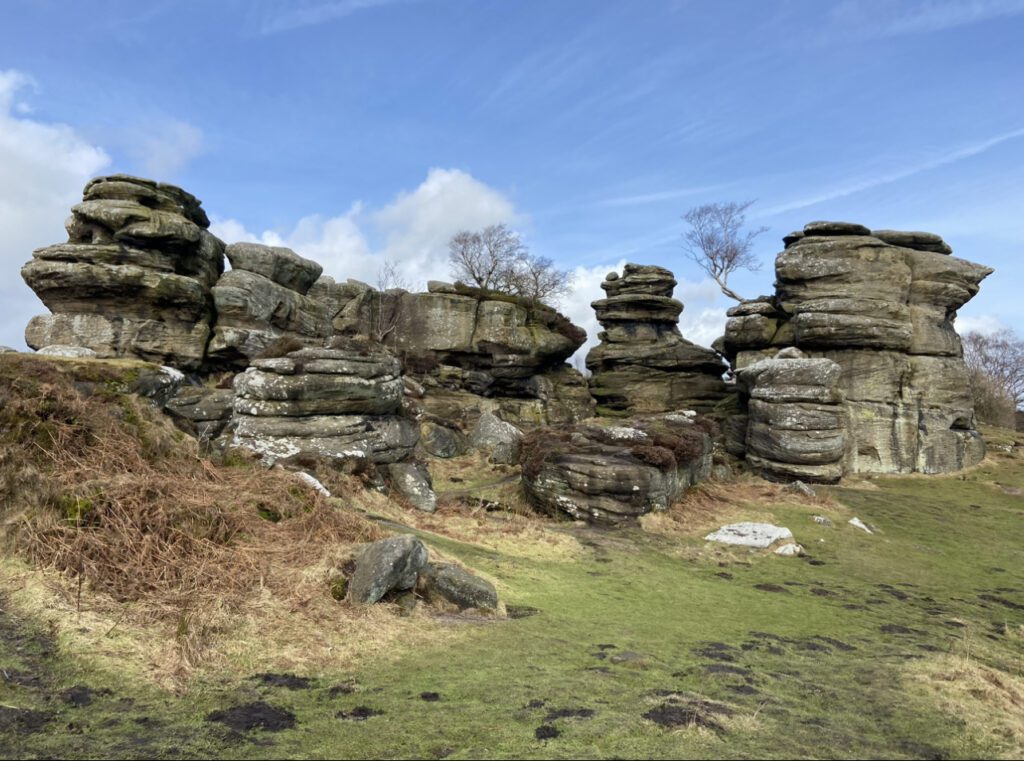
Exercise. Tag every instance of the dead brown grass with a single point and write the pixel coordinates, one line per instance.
(98, 486)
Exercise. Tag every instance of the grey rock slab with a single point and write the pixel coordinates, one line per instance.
(412, 481)
(281, 265)
(756, 535)
(459, 587)
(392, 564)
(61, 350)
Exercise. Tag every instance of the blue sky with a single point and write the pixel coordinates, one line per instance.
(355, 130)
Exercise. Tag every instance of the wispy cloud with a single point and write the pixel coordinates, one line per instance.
(869, 183)
(295, 15)
(666, 195)
(884, 18)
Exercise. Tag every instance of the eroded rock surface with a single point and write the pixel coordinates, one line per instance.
(643, 364)
(133, 278)
(881, 305)
(392, 564)
(607, 474)
(341, 403)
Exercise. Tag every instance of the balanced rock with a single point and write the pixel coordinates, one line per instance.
(341, 403)
(643, 364)
(608, 474)
(134, 277)
(262, 299)
(881, 306)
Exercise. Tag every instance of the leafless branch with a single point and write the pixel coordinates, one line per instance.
(717, 243)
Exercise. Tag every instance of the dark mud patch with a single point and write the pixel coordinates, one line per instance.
(898, 629)
(838, 644)
(430, 697)
(742, 689)
(359, 713)
(716, 651)
(822, 592)
(21, 678)
(80, 695)
(893, 592)
(22, 720)
(771, 588)
(672, 715)
(289, 681)
(258, 715)
(341, 689)
(607, 647)
(1001, 601)
(521, 611)
(535, 704)
(546, 732)
(724, 668)
(724, 575)
(569, 713)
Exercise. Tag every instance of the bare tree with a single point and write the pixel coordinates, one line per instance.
(717, 243)
(496, 260)
(390, 284)
(996, 366)
(537, 279)
(486, 259)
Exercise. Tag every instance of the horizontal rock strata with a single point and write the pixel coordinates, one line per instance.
(607, 474)
(643, 364)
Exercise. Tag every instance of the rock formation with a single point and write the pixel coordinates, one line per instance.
(340, 403)
(796, 423)
(881, 305)
(134, 277)
(472, 351)
(643, 364)
(263, 298)
(608, 474)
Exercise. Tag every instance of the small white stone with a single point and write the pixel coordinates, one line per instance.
(313, 483)
(60, 350)
(858, 523)
(790, 550)
(172, 372)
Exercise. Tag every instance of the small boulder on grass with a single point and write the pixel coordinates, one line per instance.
(392, 564)
(459, 587)
(412, 480)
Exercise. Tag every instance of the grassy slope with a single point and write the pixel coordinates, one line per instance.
(810, 671)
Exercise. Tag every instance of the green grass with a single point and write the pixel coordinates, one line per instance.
(824, 668)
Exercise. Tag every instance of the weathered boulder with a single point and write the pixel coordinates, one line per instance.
(134, 277)
(459, 587)
(796, 423)
(392, 564)
(501, 440)
(643, 364)
(71, 352)
(263, 299)
(202, 412)
(880, 305)
(442, 441)
(341, 402)
(412, 481)
(758, 536)
(608, 474)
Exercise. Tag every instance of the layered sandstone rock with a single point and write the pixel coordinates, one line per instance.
(608, 474)
(643, 364)
(134, 277)
(340, 403)
(263, 298)
(881, 306)
(473, 352)
(795, 422)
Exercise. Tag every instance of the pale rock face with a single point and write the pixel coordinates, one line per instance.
(879, 305)
(643, 364)
(134, 277)
(759, 536)
(392, 564)
(71, 352)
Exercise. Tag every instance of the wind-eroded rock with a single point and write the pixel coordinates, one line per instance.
(341, 403)
(643, 364)
(881, 305)
(608, 474)
(134, 277)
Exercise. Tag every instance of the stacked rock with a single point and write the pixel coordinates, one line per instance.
(134, 277)
(263, 298)
(796, 423)
(465, 345)
(340, 403)
(881, 305)
(609, 474)
(643, 363)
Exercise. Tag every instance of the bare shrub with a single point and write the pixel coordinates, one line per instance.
(717, 243)
(995, 365)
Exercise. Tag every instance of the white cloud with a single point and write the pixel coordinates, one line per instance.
(43, 167)
(163, 147)
(985, 324)
(413, 230)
